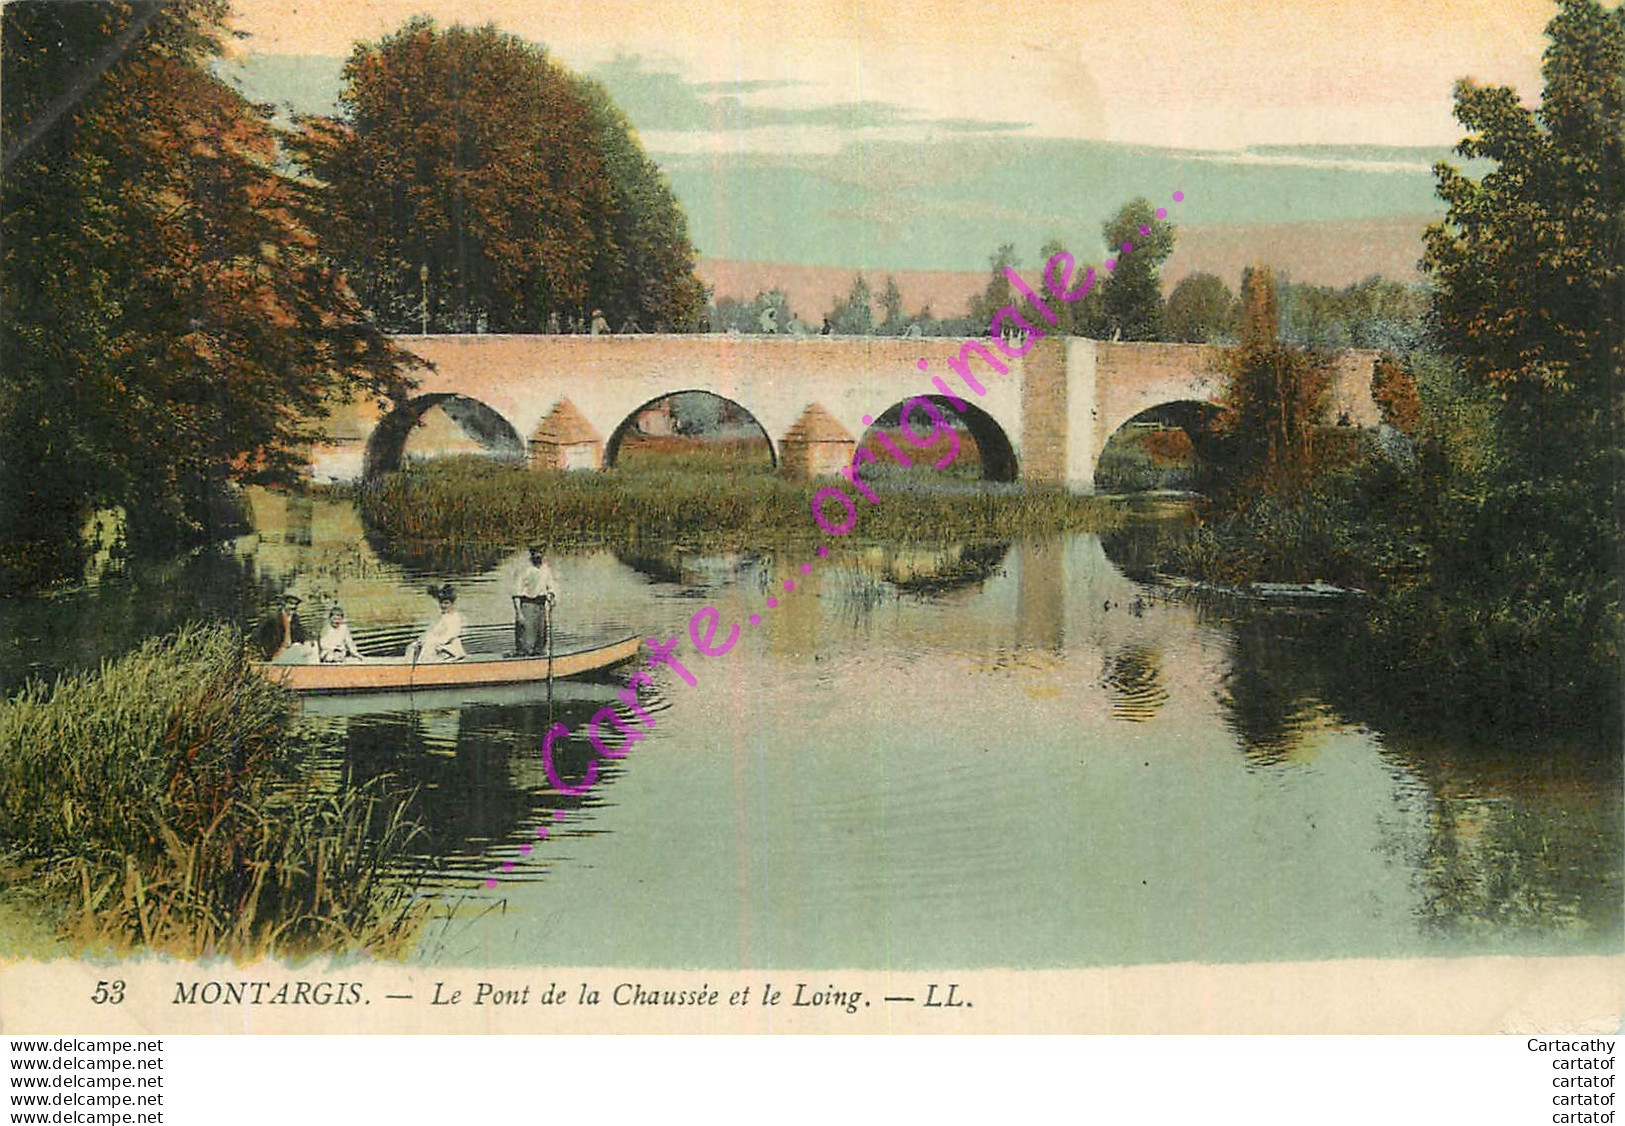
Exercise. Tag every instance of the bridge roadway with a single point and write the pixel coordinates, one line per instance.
(1045, 421)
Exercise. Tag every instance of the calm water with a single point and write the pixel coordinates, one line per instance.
(996, 754)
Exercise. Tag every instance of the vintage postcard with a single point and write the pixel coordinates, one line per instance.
(736, 517)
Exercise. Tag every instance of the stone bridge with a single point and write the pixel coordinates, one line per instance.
(1045, 422)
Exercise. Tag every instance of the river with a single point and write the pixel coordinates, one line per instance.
(1006, 754)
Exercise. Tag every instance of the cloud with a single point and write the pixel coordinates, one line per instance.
(746, 86)
(662, 101)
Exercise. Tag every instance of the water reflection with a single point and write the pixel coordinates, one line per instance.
(1024, 752)
(474, 770)
(1134, 678)
(1265, 698)
(678, 564)
(1523, 840)
(55, 634)
(943, 568)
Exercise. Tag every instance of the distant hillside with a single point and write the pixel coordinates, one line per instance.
(1331, 253)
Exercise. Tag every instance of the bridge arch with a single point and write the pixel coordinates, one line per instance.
(987, 436)
(477, 420)
(629, 425)
(1194, 419)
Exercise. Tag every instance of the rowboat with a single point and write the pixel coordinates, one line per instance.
(401, 674)
(581, 692)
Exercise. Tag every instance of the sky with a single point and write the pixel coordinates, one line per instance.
(1198, 74)
(920, 136)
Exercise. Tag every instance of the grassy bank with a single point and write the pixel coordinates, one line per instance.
(146, 806)
(471, 501)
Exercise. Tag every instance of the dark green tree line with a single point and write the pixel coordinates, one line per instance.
(1529, 266)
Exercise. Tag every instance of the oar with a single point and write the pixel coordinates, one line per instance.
(547, 624)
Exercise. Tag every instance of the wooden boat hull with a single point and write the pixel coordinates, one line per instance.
(397, 674)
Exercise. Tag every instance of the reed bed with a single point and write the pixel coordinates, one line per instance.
(471, 501)
(151, 805)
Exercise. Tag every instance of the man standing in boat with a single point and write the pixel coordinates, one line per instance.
(535, 587)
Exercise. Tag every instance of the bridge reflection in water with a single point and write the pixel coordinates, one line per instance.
(962, 755)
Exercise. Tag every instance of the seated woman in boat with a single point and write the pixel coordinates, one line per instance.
(281, 636)
(335, 645)
(443, 641)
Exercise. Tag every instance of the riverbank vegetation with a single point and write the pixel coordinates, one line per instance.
(468, 501)
(1488, 535)
(151, 806)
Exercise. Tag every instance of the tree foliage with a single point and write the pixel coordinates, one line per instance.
(170, 324)
(854, 314)
(1529, 268)
(998, 292)
(645, 267)
(1493, 552)
(1528, 263)
(469, 177)
(1201, 310)
(1131, 297)
(729, 314)
(1375, 313)
(891, 305)
(1274, 400)
(1395, 390)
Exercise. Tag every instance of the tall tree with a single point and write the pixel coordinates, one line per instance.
(1201, 309)
(891, 304)
(998, 292)
(1131, 297)
(1072, 317)
(854, 315)
(1530, 260)
(470, 177)
(1274, 398)
(645, 266)
(1529, 268)
(169, 325)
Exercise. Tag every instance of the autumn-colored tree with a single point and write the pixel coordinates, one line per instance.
(1395, 391)
(1260, 308)
(169, 324)
(469, 179)
(1274, 398)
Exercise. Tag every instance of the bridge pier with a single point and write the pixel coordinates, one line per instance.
(1045, 421)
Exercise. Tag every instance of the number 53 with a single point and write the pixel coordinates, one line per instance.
(108, 993)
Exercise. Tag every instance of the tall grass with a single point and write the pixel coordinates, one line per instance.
(150, 803)
(469, 501)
